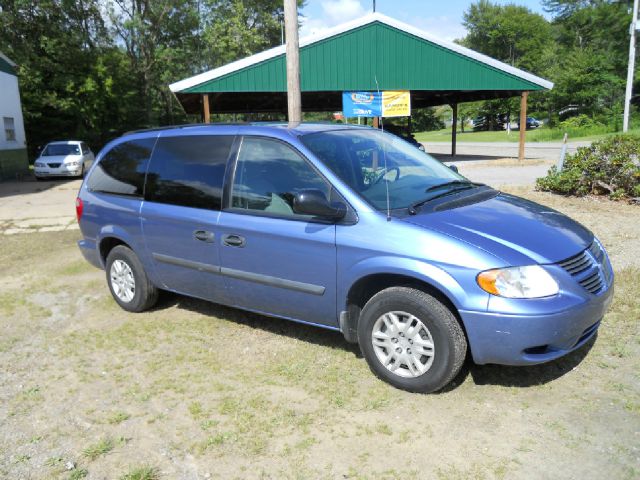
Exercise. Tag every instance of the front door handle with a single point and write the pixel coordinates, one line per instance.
(233, 240)
(204, 236)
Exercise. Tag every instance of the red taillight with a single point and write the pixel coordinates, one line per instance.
(79, 208)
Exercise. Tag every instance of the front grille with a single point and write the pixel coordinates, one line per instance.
(589, 268)
(577, 264)
(54, 165)
(593, 283)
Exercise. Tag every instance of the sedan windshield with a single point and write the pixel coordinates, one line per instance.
(60, 149)
(372, 162)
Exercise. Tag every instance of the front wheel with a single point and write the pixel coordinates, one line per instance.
(128, 282)
(411, 340)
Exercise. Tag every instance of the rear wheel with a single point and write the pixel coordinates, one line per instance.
(411, 340)
(128, 282)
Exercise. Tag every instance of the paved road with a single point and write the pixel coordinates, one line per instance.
(542, 150)
(498, 173)
(38, 206)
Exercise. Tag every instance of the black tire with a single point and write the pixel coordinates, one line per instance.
(450, 345)
(145, 293)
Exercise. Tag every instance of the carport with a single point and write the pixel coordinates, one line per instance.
(372, 53)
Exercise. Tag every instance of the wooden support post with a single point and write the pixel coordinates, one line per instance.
(376, 122)
(294, 100)
(523, 124)
(454, 128)
(206, 116)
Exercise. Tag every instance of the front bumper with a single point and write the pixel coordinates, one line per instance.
(508, 339)
(61, 171)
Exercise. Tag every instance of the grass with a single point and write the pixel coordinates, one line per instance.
(141, 473)
(78, 473)
(117, 418)
(236, 394)
(541, 134)
(102, 447)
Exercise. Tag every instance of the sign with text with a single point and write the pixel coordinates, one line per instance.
(390, 103)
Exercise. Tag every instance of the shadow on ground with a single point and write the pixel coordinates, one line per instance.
(531, 375)
(520, 377)
(29, 185)
(446, 157)
(300, 331)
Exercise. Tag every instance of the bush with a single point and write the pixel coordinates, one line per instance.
(425, 119)
(579, 121)
(608, 167)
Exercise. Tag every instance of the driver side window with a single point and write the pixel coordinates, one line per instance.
(268, 175)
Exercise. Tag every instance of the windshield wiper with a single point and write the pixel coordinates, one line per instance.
(451, 183)
(464, 185)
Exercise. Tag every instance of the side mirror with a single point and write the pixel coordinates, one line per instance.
(313, 202)
(454, 168)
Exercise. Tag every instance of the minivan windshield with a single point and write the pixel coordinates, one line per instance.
(371, 161)
(55, 149)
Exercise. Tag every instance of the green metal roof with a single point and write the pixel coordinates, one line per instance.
(355, 55)
(7, 66)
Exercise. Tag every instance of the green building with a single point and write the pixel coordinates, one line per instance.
(374, 52)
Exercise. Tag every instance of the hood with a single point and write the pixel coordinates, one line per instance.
(58, 158)
(514, 229)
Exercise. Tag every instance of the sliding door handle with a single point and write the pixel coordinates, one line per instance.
(233, 240)
(204, 236)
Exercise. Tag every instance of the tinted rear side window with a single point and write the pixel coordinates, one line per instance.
(189, 170)
(121, 170)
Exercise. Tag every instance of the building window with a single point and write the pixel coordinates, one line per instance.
(9, 129)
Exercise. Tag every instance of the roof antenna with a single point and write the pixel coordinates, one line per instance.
(384, 155)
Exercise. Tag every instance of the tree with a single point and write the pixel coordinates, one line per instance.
(55, 44)
(159, 39)
(93, 69)
(510, 33)
(590, 63)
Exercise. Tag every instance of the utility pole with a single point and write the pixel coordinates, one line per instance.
(294, 101)
(631, 67)
(374, 6)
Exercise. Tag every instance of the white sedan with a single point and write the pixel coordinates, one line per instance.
(63, 159)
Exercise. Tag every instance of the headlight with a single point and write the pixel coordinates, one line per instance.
(38, 164)
(518, 282)
(71, 164)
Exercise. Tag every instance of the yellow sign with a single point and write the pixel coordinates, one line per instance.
(396, 103)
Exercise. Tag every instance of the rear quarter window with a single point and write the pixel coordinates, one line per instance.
(189, 170)
(122, 169)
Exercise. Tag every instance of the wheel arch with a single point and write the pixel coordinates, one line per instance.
(107, 244)
(367, 285)
(111, 236)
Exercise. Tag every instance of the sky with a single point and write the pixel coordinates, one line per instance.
(442, 18)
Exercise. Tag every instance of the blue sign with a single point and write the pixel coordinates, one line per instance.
(362, 104)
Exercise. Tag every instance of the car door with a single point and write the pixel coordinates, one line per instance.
(273, 260)
(183, 195)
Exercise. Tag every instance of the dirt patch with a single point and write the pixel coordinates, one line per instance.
(192, 390)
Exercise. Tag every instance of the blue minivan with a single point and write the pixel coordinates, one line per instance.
(350, 229)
